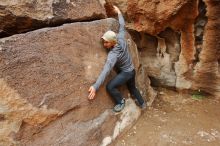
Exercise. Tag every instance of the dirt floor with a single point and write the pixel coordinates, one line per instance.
(176, 119)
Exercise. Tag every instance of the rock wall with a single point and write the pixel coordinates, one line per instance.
(25, 15)
(45, 76)
(177, 41)
(207, 69)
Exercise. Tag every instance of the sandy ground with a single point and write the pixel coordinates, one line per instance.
(176, 120)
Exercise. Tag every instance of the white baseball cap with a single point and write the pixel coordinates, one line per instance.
(109, 36)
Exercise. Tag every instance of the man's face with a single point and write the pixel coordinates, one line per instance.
(108, 45)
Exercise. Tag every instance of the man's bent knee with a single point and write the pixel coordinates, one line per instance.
(109, 88)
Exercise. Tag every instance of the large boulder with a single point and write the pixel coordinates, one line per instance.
(154, 16)
(24, 15)
(44, 80)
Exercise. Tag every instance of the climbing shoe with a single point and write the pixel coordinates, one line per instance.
(143, 106)
(119, 107)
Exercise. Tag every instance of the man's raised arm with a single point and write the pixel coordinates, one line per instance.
(121, 33)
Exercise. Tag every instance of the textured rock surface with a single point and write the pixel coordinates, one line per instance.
(154, 16)
(178, 41)
(45, 75)
(14, 110)
(207, 70)
(23, 15)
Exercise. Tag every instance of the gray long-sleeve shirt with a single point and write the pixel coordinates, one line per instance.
(119, 56)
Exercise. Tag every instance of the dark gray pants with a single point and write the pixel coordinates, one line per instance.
(122, 78)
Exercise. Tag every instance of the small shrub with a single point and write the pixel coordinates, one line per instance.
(198, 95)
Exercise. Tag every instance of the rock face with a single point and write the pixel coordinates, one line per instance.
(24, 15)
(207, 70)
(177, 41)
(45, 75)
(154, 16)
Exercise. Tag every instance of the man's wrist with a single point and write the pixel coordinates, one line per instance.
(95, 87)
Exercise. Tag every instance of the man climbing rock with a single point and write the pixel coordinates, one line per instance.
(120, 58)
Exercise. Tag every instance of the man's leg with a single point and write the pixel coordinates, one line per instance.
(119, 80)
(133, 90)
